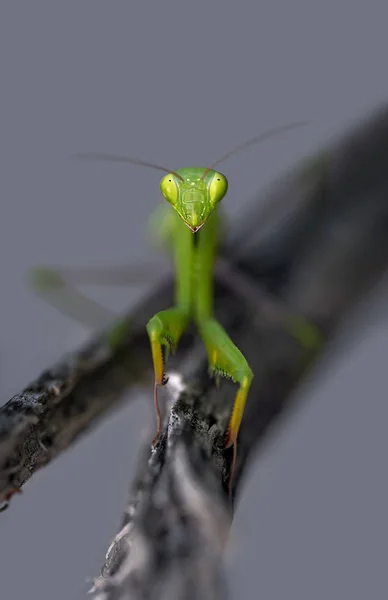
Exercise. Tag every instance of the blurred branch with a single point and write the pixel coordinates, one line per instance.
(46, 417)
(325, 244)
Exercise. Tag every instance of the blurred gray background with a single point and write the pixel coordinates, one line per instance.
(180, 83)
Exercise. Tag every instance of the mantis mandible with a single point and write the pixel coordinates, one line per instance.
(194, 195)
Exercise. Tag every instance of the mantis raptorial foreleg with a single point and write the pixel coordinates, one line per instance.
(226, 360)
(164, 330)
(166, 327)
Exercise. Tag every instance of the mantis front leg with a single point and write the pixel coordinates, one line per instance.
(164, 329)
(225, 359)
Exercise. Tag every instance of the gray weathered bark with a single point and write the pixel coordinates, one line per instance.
(315, 263)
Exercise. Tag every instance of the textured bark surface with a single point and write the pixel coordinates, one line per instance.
(327, 245)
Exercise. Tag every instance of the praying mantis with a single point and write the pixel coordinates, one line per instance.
(191, 217)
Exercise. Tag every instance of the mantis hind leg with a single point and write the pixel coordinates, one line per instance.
(226, 360)
(164, 330)
(59, 288)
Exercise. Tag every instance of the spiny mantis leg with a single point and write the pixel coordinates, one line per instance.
(164, 329)
(167, 326)
(226, 360)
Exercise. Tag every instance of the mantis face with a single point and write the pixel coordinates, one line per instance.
(194, 193)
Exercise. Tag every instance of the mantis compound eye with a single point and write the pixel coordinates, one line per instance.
(169, 188)
(217, 188)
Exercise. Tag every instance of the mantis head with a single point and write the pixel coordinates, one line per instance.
(194, 193)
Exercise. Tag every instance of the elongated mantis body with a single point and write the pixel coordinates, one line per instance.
(194, 195)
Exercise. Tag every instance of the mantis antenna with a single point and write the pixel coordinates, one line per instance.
(117, 158)
(256, 140)
(137, 161)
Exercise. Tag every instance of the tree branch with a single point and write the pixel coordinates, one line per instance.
(328, 244)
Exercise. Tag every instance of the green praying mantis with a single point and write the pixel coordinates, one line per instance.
(192, 220)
